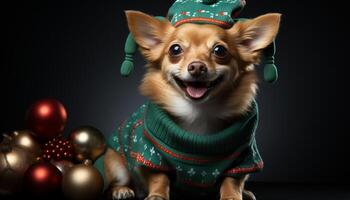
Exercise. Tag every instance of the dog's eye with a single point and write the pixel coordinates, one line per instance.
(220, 51)
(175, 50)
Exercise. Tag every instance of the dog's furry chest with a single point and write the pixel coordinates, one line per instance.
(202, 119)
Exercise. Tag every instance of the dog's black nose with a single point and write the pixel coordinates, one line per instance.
(197, 69)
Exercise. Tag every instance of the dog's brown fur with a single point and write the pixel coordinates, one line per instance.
(229, 99)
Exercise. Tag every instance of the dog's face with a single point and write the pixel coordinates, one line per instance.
(198, 62)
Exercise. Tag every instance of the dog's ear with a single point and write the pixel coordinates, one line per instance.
(149, 32)
(254, 35)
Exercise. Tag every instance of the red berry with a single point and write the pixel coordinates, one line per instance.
(57, 149)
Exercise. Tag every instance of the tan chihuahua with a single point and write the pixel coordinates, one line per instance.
(202, 76)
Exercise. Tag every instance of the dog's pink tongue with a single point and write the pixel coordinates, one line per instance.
(196, 92)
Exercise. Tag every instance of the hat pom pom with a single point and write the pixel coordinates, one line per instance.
(127, 66)
(270, 73)
(130, 49)
(270, 69)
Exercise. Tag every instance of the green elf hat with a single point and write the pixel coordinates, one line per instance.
(222, 13)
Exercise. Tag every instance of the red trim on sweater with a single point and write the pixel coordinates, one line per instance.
(254, 168)
(182, 157)
(202, 19)
(120, 141)
(140, 159)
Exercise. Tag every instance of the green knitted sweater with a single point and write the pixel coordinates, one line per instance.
(149, 138)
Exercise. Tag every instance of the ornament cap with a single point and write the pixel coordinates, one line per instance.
(39, 159)
(87, 162)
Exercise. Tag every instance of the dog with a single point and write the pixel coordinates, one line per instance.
(203, 77)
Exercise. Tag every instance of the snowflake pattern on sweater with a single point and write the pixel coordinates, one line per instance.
(138, 144)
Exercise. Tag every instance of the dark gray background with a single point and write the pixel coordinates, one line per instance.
(72, 51)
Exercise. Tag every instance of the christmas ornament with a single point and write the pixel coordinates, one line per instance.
(62, 165)
(14, 161)
(82, 182)
(25, 140)
(42, 179)
(46, 118)
(57, 149)
(88, 143)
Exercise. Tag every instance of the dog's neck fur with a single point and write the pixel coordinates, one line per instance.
(198, 118)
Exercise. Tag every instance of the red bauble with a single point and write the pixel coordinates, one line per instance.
(46, 118)
(57, 149)
(43, 179)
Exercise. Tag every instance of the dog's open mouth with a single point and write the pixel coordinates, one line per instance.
(197, 90)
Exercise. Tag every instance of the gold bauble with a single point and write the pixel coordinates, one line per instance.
(62, 165)
(14, 161)
(82, 182)
(88, 143)
(25, 140)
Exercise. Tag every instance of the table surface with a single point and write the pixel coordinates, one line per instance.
(279, 191)
(288, 191)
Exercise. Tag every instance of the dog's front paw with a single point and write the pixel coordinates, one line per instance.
(155, 197)
(122, 192)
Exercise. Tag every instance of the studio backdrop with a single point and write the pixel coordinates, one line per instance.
(72, 51)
